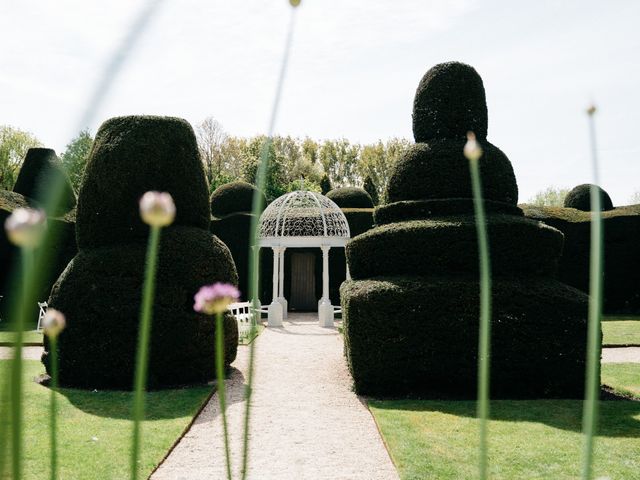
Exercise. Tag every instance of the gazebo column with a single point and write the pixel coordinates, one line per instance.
(281, 299)
(275, 307)
(255, 302)
(347, 264)
(325, 309)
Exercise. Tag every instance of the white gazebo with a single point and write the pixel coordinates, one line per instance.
(302, 219)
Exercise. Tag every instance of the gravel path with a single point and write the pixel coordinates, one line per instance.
(28, 353)
(621, 355)
(306, 422)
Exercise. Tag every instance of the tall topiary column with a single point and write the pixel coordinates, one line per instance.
(231, 207)
(100, 290)
(411, 311)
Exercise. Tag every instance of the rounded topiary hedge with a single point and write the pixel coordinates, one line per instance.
(449, 245)
(100, 293)
(350, 197)
(421, 209)
(621, 228)
(419, 336)
(440, 170)
(233, 197)
(130, 156)
(449, 102)
(41, 171)
(580, 198)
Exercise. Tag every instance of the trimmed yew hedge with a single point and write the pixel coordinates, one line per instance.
(439, 169)
(233, 197)
(350, 197)
(100, 293)
(449, 102)
(419, 336)
(449, 245)
(101, 289)
(40, 171)
(130, 156)
(621, 253)
(421, 209)
(580, 198)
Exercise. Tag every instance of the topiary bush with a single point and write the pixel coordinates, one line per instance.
(41, 170)
(580, 198)
(449, 102)
(410, 335)
(101, 289)
(100, 293)
(448, 245)
(130, 156)
(440, 170)
(411, 311)
(621, 228)
(234, 197)
(350, 197)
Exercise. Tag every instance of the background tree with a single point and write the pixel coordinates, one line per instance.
(14, 144)
(325, 184)
(75, 157)
(635, 198)
(377, 161)
(550, 197)
(211, 138)
(371, 189)
(339, 159)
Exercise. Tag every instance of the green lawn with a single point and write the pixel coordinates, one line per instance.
(621, 332)
(532, 439)
(28, 337)
(624, 378)
(95, 431)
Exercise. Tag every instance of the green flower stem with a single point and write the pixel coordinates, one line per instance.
(142, 355)
(261, 176)
(16, 370)
(484, 345)
(221, 390)
(592, 384)
(53, 349)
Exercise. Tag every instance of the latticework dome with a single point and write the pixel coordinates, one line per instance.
(302, 215)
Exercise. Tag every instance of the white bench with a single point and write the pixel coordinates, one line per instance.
(43, 310)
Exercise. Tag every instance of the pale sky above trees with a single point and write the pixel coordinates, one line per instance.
(353, 72)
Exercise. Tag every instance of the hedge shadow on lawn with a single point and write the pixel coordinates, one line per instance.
(616, 416)
(160, 404)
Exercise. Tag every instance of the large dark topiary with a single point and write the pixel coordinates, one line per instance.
(101, 289)
(409, 335)
(130, 156)
(41, 171)
(231, 206)
(411, 311)
(440, 170)
(449, 102)
(621, 228)
(580, 198)
(233, 197)
(350, 197)
(100, 294)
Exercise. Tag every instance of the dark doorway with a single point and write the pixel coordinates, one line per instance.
(303, 282)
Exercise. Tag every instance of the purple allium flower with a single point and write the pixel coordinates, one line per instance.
(472, 149)
(157, 209)
(53, 322)
(215, 298)
(25, 227)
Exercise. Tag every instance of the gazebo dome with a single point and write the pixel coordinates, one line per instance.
(302, 218)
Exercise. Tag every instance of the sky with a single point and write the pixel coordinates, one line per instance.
(352, 73)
